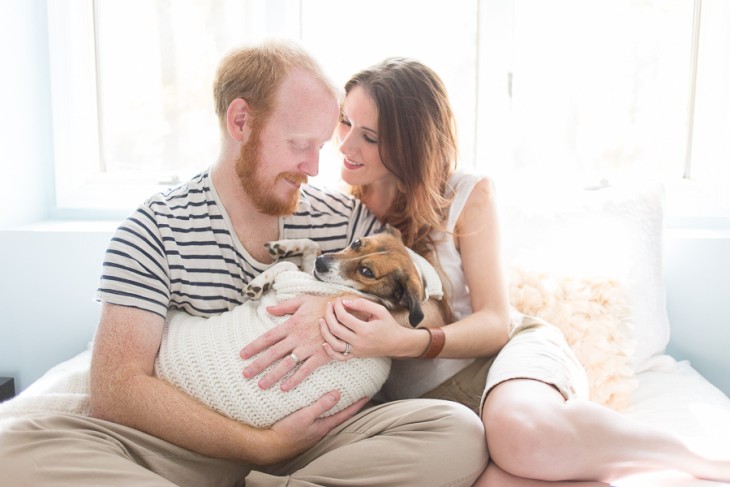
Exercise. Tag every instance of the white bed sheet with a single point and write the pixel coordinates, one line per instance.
(671, 395)
(675, 397)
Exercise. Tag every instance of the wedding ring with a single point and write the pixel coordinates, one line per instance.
(294, 358)
(347, 349)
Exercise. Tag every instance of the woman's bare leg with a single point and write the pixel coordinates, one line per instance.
(494, 476)
(532, 432)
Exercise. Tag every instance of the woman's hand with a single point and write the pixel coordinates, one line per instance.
(302, 429)
(297, 342)
(367, 327)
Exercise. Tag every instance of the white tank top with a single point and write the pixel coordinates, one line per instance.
(411, 378)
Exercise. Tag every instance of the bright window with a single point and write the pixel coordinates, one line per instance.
(567, 88)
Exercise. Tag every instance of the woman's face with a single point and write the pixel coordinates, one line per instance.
(358, 138)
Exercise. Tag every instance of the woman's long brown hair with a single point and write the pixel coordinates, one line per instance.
(417, 144)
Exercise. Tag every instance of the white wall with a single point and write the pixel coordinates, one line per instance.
(25, 123)
(48, 282)
(697, 273)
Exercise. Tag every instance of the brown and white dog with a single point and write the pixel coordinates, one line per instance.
(201, 356)
(379, 266)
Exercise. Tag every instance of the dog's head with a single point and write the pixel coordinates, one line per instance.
(378, 265)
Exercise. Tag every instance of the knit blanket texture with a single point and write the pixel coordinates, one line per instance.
(201, 357)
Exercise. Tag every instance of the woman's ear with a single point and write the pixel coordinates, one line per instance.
(238, 119)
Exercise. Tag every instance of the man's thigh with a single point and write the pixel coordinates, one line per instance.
(63, 450)
(401, 443)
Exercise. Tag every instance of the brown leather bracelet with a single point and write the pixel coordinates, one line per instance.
(436, 341)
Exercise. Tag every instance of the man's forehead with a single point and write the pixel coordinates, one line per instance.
(308, 111)
(305, 86)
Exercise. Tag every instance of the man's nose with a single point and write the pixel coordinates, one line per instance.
(310, 164)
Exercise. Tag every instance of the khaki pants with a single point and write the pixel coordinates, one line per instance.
(405, 443)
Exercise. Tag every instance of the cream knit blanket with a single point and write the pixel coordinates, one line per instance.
(201, 357)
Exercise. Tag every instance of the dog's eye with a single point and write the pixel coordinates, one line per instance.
(356, 244)
(365, 271)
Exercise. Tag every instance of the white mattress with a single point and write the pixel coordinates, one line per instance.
(671, 395)
(675, 397)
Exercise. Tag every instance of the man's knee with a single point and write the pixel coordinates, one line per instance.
(460, 437)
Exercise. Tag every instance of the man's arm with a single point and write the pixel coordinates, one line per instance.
(124, 390)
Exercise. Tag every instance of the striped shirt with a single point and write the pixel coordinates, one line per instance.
(179, 250)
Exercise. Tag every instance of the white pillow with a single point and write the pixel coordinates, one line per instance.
(592, 314)
(610, 233)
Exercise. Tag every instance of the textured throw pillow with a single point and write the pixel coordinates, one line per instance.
(594, 317)
(610, 234)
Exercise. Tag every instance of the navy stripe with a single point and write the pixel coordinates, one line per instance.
(327, 204)
(207, 312)
(136, 247)
(117, 292)
(294, 226)
(202, 284)
(150, 233)
(189, 204)
(106, 277)
(206, 298)
(343, 199)
(147, 274)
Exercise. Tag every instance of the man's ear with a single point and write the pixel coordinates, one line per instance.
(238, 119)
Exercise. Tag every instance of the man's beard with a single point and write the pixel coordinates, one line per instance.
(257, 188)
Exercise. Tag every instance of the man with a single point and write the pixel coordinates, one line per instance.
(194, 248)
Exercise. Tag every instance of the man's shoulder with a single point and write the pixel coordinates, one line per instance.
(186, 205)
(319, 200)
(195, 190)
(330, 217)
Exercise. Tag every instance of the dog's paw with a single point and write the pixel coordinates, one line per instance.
(284, 248)
(260, 285)
(254, 291)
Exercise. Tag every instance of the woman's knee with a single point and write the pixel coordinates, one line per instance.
(521, 421)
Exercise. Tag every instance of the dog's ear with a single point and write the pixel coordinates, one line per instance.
(394, 232)
(410, 297)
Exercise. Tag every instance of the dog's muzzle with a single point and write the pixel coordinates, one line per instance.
(322, 265)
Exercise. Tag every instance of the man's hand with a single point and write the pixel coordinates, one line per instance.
(299, 335)
(302, 429)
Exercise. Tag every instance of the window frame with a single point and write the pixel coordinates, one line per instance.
(77, 140)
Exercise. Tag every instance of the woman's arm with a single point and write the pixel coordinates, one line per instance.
(478, 235)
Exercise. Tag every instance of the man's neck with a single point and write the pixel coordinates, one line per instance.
(252, 227)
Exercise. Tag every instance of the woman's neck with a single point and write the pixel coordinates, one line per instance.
(379, 196)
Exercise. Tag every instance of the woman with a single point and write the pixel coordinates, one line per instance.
(398, 141)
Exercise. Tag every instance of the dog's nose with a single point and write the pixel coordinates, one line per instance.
(321, 263)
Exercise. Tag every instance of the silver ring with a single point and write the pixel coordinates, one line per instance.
(294, 358)
(347, 349)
